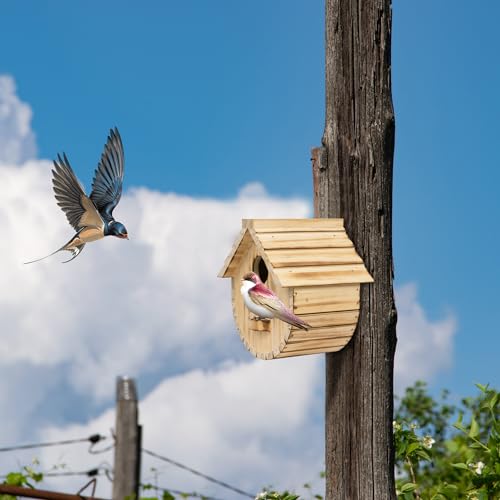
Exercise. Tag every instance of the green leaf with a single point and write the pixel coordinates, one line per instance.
(474, 428)
(37, 476)
(408, 487)
(460, 466)
(412, 447)
(15, 479)
(450, 489)
(494, 401)
(423, 455)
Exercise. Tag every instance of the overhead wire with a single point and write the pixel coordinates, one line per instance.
(198, 473)
(93, 439)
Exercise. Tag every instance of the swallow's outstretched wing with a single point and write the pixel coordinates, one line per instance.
(108, 177)
(264, 297)
(78, 207)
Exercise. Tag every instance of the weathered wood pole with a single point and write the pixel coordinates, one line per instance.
(126, 469)
(352, 175)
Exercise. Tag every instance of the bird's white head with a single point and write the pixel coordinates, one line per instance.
(249, 280)
(252, 277)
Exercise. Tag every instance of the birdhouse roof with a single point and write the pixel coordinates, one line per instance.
(300, 252)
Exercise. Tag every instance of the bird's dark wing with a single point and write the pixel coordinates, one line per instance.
(79, 209)
(108, 177)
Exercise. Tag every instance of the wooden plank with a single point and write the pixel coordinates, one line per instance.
(304, 243)
(223, 273)
(327, 332)
(316, 344)
(287, 257)
(302, 235)
(306, 352)
(323, 275)
(259, 325)
(326, 338)
(314, 299)
(328, 319)
(284, 225)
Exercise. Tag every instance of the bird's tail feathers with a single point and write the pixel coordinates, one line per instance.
(294, 321)
(75, 251)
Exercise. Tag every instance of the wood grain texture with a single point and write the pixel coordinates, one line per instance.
(315, 299)
(325, 319)
(294, 225)
(306, 352)
(313, 257)
(353, 180)
(128, 440)
(331, 332)
(323, 275)
(316, 344)
(238, 249)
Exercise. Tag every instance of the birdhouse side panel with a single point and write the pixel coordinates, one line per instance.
(263, 339)
(332, 311)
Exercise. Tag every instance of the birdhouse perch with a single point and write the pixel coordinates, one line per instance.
(313, 267)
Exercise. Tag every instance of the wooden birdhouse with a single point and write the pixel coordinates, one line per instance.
(312, 265)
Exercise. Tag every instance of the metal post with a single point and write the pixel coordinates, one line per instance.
(128, 446)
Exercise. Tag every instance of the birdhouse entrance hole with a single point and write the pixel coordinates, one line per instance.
(259, 267)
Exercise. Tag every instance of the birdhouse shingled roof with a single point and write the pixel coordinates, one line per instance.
(300, 252)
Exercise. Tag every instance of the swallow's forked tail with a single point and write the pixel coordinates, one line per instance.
(75, 251)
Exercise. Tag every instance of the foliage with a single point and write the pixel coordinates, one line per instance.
(270, 494)
(25, 477)
(439, 461)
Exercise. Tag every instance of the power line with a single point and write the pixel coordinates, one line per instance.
(88, 473)
(198, 473)
(98, 471)
(93, 439)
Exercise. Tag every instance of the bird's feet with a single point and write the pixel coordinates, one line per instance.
(258, 318)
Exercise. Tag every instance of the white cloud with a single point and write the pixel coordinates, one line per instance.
(17, 141)
(425, 347)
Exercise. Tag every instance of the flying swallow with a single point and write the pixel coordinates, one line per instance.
(91, 216)
(265, 303)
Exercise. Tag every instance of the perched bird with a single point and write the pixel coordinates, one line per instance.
(265, 303)
(91, 216)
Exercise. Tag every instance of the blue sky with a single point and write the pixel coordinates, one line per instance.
(212, 96)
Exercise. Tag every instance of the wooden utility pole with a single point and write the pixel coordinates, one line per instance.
(353, 179)
(128, 441)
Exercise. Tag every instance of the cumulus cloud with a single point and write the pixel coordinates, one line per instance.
(425, 347)
(17, 141)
